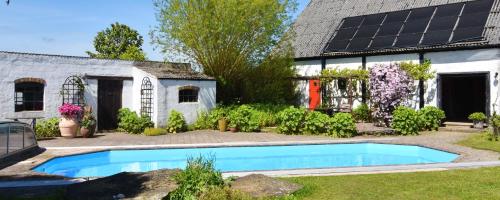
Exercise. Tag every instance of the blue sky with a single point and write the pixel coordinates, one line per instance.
(68, 27)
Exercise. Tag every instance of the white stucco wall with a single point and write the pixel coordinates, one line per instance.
(345, 63)
(306, 68)
(169, 89)
(54, 70)
(466, 61)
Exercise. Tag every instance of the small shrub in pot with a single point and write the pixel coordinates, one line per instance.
(478, 119)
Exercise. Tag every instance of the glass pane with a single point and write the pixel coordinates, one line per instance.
(345, 34)
(29, 137)
(16, 138)
(359, 44)
(443, 23)
(366, 31)
(415, 26)
(390, 29)
(4, 130)
(436, 37)
(473, 33)
(408, 40)
(448, 10)
(382, 42)
(352, 22)
(375, 19)
(399, 16)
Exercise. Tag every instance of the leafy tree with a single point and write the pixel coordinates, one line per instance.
(421, 72)
(118, 42)
(232, 40)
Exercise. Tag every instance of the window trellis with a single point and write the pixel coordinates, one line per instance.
(146, 97)
(73, 91)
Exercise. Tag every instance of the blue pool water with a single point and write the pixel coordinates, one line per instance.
(244, 158)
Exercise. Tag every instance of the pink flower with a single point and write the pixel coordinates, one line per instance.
(70, 110)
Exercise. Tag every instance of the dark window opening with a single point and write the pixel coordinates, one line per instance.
(28, 96)
(342, 84)
(188, 94)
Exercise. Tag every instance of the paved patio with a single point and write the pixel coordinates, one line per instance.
(61, 146)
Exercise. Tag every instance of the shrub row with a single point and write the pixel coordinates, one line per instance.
(407, 121)
(47, 128)
(130, 122)
(299, 120)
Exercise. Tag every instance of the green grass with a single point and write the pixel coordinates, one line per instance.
(480, 141)
(481, 183)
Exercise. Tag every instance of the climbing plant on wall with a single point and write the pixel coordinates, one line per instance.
(351, 77)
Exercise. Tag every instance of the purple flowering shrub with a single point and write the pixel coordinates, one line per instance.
(70, 110)
(390, 86)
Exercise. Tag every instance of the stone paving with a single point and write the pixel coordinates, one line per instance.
(61, 146)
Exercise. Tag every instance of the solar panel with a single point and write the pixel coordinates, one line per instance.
(436, 37)
(432, 25)
(375, 19)
(359, 44)
(398, 16)
(466, 34)
(382, 42)
(471, 20)
(366, 31)
(408, 40)
(417, 26)
(478, 6)
(390, 29)
(421, 13)
(443, 23)
(352, 22)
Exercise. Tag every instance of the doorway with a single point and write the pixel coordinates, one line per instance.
(463, 94)
(109, 95)
(314, 94)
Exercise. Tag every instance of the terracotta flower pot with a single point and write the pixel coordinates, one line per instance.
(87, 132)
(233, 129)
(68, 127)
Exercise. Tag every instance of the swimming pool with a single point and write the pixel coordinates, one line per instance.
(233, 159)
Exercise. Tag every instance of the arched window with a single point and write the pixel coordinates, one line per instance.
(188, 94)
(28, 94)
(72, 91)
(146, 97)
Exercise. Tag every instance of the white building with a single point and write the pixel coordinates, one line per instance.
(35, 85)
(460, 37)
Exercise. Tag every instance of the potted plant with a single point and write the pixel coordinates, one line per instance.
(478, 119)
(88, 123)
(222, 124)
(233, 127)
(69, 121)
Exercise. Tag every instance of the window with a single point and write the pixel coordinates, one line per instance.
(146, 97)
(188, 94)
(28, 94)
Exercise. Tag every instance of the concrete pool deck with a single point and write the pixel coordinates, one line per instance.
(439, 140)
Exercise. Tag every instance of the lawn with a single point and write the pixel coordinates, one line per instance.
(480, 141)
(481, 183)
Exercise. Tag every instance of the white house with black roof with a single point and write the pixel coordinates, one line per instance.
(35, 85)
(460, 37)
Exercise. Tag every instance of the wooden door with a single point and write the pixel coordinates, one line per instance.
(314, 94)
(109, 94)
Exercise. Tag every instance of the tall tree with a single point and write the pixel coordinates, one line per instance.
(118, 42)
(230, 39)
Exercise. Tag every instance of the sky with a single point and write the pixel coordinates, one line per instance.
(68, 27)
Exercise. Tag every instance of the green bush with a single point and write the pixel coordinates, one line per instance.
(362, 113)
(406, 121)
(216, 114)
(291, 120)
(477, 116)
(176, 122)
(245, 118)
(268, 112)
(223, 193)
(200, 175)
(202, 122)
(430, 118)
(130, 122)
(154, 131)
(47, 128)
(315, 122)
(342, 125)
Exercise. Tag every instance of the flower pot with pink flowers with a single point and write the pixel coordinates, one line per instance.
(69, 122)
